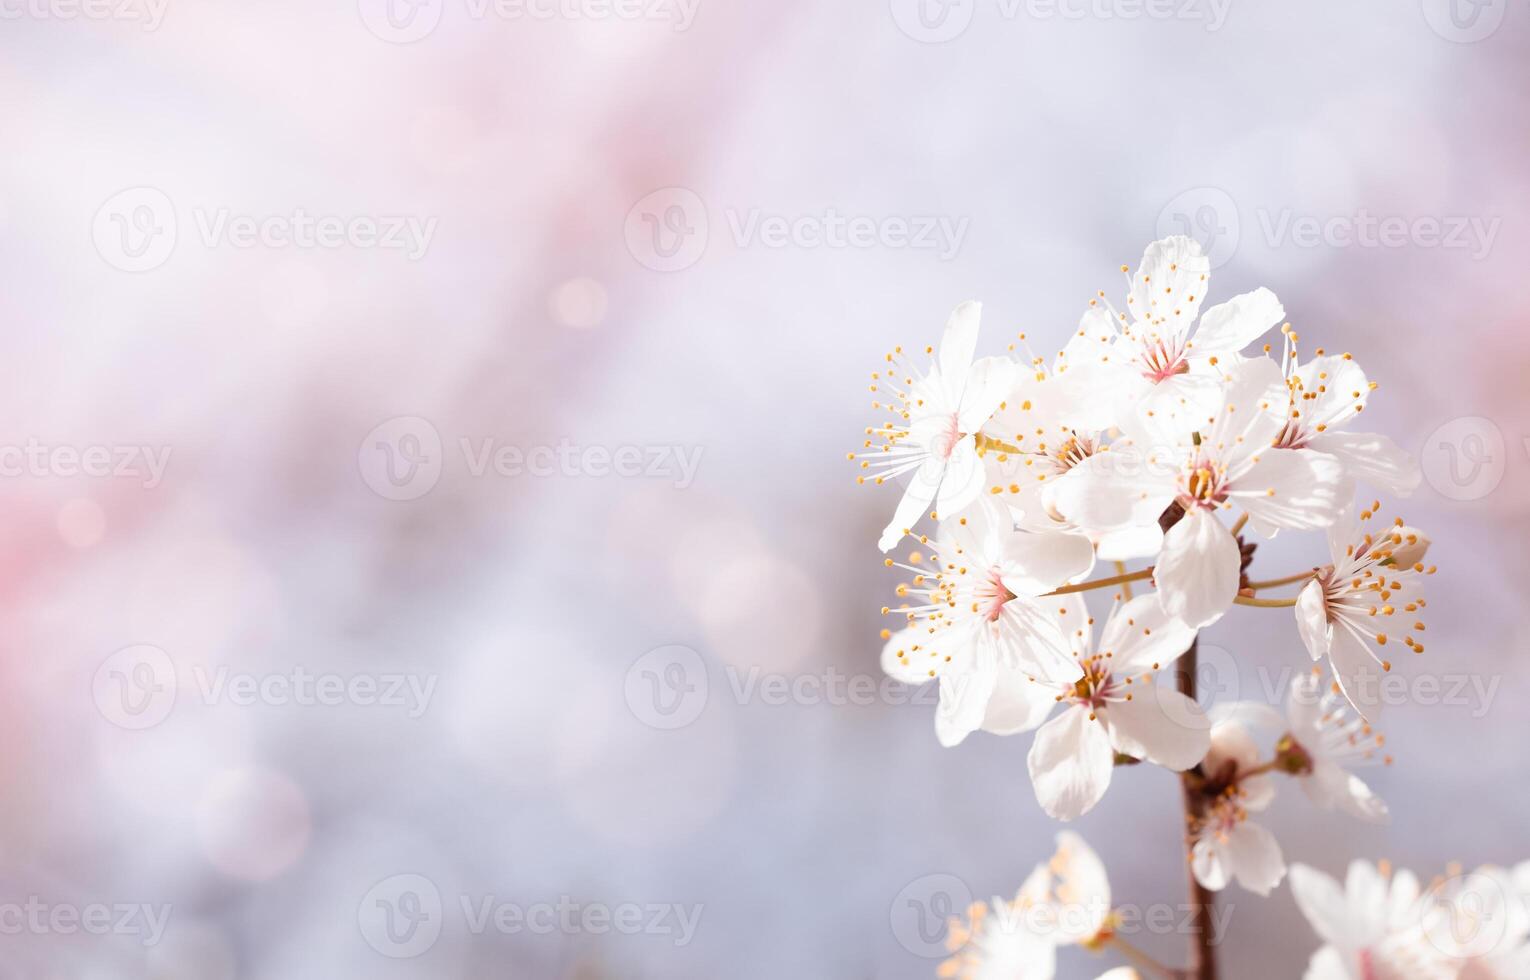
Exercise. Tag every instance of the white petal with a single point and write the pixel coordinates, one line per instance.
(1210, 864)
(1160, 725)
(1357, 671)
(1256, 858)
(1140, 636)
(957, 345)
(1127, 543)
(1341, 389)
(916, 499)
(1037, 563)
(1170, 284)
(963, 481)
(1032, 638)
(903, 663)
(964, 699)
(1294, 488)
(1304, 708)
(1254, 398)
(1327, 964)
(1070, 763)
(1120, 973)
(1197, 572)
(1312, 619)
(1018, 704)
(1082, 886)
(988, 383)
(1373, 458)
(1113, 489)
(1231, 326)
(1356, 799)
(1324, 904)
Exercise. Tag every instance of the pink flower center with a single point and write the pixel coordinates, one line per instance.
(1161, 361)
(992, 595)
(945, 442)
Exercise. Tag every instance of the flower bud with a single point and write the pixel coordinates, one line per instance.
(1408, 545)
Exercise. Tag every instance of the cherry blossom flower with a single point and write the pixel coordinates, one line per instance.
(1369, 596)
(1481, 922)
(1326, 393)
(1064, 902)
(1115, 706)
(978, 613)
(1207, 465)
(934, 419)
(1054, 419)
(1227, 845)
(1371, 925)
(1169, 360)
(1323, 742)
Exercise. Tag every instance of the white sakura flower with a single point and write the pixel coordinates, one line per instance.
(1052, 421)
(1482, 923)
(1371, 926)
(1065, 901)
(1323, 742)
(1372, 593)
(1325, 394)
(1166, 366)
(998, 942)
(1115, 706)
(978, 613)
(935, 416)
(1227, 846)
(1207, 464)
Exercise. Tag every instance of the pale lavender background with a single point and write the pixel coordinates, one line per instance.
(1062, 142)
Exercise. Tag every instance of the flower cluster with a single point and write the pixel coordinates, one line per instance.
(1174, 437)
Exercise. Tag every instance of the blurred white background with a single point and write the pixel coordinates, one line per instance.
(294, 268)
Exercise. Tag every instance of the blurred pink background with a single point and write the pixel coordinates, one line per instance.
(594, 229)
